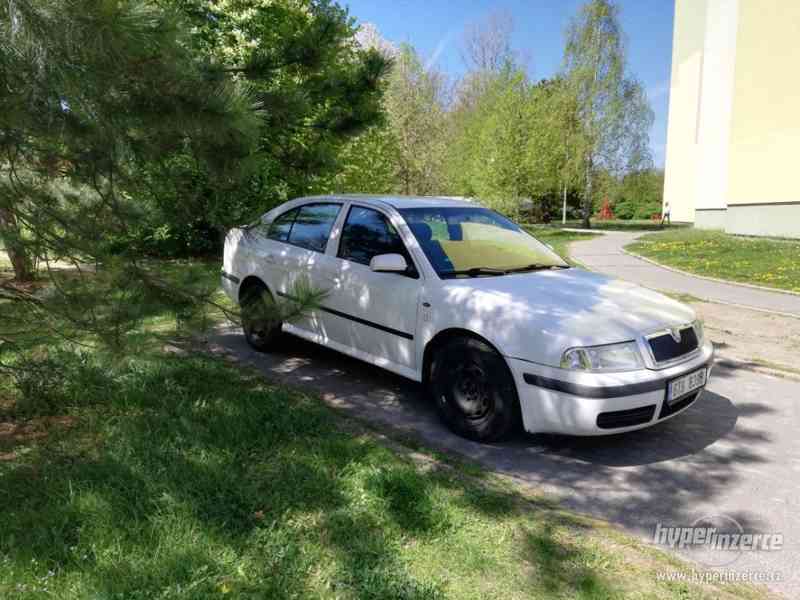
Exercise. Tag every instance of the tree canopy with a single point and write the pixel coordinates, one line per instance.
(611, 107)
(516, 144)
(130, 122)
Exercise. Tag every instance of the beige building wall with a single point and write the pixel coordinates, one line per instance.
(715, 105)
(687, 64)
(735, 167)
(764, 195)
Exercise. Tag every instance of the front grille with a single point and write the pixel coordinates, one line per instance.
(665, 348)
(625, 418)
(668, 409)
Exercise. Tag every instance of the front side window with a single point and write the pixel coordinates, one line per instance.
(280, 228)
(368, 233)
(312, 226)
(472, 241)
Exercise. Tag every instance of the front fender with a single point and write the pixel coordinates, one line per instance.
(508, 325)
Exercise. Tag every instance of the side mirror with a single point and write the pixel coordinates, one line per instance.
(388, 263)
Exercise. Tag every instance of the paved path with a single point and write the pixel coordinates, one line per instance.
(604, 253)
(736, 451)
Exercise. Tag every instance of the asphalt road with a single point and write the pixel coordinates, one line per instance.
(735, 452)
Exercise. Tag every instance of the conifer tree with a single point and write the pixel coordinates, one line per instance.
(317, 87)
(95, 97)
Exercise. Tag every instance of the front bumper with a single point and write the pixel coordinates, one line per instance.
(579, 403)
(230, 285)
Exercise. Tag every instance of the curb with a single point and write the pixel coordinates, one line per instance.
(589, 231)
(714, 279)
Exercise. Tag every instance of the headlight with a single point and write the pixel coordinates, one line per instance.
(611, 357)
(699, 332)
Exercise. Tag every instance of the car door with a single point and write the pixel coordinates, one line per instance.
(373, 315)
(294, 239)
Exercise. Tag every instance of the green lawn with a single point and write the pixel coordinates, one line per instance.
(772, 263)
(177, 475)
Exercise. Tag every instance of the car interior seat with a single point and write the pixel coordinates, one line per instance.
(432, 248)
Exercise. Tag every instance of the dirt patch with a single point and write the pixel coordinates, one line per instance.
(752, 336)
(14, 434)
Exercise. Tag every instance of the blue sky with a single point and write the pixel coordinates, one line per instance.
(435, 27)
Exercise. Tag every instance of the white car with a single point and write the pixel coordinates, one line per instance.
(495, 324)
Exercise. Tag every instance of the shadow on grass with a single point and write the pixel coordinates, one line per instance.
(184, 477)
(566, 569)
(86, 308)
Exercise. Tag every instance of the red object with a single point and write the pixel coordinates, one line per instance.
(605, 214)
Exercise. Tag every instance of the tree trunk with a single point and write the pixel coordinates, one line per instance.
(9, 234)
(587, 199)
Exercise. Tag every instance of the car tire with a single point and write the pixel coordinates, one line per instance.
(474, 390)
(261, 334)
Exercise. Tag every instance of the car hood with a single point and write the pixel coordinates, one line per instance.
(536, 316)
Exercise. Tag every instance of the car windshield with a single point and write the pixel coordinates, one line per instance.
(473, 241)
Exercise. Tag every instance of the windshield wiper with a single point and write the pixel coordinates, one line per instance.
(475, 272)
(536, 267)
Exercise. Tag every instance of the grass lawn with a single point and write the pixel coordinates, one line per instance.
(772, 263)
(177, 475)
(557, 238)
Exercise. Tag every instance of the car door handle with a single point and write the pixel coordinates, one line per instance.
(270, 258)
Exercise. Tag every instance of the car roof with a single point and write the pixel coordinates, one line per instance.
(400, 202)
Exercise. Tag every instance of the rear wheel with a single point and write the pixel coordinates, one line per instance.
(474, 390)
(261, 330)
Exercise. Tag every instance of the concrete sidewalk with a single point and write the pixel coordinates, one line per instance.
(604, 253)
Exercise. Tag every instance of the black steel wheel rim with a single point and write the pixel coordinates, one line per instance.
(255, 329)
(470, 391)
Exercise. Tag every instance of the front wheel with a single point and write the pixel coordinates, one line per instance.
(261, 329)
(474, 390)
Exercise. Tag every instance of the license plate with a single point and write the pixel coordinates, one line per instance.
(684, 385)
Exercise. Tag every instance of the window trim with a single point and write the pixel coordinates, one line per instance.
(296, 210)
(413, 272)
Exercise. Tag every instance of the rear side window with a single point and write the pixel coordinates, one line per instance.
(280, 228)
(312, 226)
(367, 233)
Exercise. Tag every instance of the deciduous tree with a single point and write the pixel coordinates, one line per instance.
(486, 44)
(612, 108)
(416, 114)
